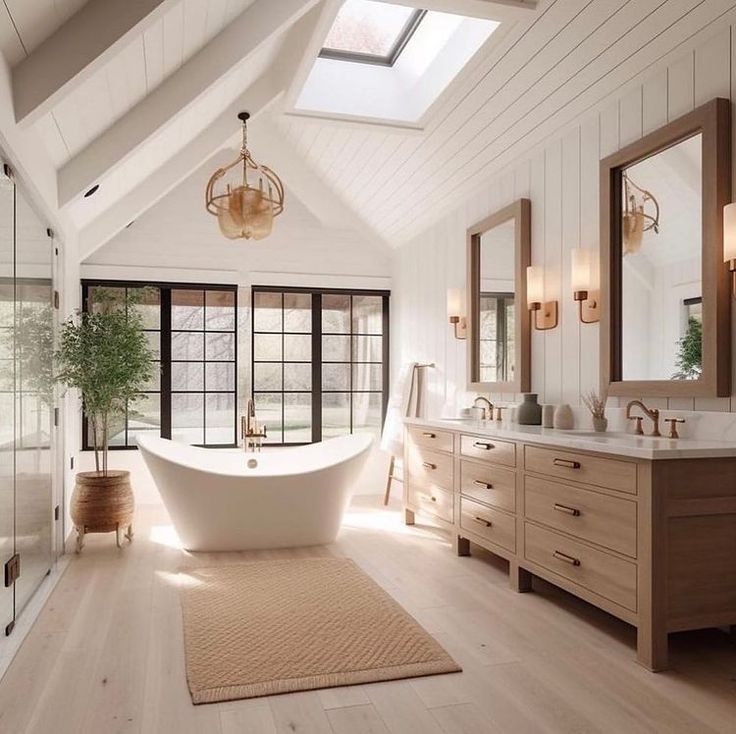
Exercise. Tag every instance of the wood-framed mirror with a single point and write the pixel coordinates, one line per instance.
(498, 336)
(665, 297)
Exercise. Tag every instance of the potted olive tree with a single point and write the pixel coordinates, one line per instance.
(104, 354)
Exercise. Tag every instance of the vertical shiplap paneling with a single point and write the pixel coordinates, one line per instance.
(630, 116)
(522, 190)
(536, 194)
(654, 102)
(589, 237)
(680, 88)
(712, 78)
(562, 181)
(437, 315)
(552, 268)
(570, 324)
(712, 68)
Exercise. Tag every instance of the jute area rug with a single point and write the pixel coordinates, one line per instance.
(267, 627)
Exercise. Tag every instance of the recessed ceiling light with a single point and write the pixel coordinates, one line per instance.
(91, 191)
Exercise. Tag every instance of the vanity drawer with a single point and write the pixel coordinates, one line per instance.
(430, 468)
(431, 438)
(598, 518)
(489, 484)
(595, 570)
(434, 501)
(609, 473)
(488, 449)
(496, 527)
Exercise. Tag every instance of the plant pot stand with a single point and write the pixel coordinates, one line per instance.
(83, 531)
(102, 504)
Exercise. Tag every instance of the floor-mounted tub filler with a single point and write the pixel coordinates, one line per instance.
(231, 500)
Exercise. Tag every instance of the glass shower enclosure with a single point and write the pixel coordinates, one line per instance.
(26, 401)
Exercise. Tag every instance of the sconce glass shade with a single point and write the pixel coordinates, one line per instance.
(455, 302)
(580, 270)
(729, 232)
(633, 231)
(534, 285)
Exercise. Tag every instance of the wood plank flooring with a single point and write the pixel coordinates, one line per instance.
(106, 653)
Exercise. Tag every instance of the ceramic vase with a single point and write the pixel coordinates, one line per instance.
(529, 412)
(548, 416)
(564, 417)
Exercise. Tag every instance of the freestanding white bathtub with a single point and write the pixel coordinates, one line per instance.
(232, 500)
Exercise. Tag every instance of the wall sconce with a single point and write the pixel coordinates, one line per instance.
(581, 278)
(545, 312)
(729, 242)
(455, 311)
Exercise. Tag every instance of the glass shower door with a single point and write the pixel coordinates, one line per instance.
(34, 346)
(7, 379)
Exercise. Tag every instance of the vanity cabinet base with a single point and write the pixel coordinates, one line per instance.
(652, 542)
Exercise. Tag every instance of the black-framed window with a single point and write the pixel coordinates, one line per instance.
(192, 330)
(320, 362)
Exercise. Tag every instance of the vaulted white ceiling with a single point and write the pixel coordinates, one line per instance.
(134, 95)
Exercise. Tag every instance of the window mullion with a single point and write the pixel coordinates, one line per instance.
(165, 301)
(316, 367)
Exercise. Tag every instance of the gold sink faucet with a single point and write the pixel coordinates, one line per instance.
(651, 413)
(488, 410)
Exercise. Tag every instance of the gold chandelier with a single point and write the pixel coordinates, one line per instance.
(635, 220)
(246, 204)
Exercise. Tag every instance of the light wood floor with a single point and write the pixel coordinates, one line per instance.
(106, 653)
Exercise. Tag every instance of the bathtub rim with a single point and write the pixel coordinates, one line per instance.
(368, 441)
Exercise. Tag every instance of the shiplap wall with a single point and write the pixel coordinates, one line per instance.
(560, 176)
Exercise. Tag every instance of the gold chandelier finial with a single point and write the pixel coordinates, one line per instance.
(245, 206)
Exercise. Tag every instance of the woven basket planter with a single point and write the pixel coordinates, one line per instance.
(102, 504)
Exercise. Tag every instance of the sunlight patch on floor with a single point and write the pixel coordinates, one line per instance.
(181, 580)
(165, 535)
(388, 522)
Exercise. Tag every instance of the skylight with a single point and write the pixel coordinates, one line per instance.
(371, 32)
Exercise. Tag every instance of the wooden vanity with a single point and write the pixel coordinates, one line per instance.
(644, 529)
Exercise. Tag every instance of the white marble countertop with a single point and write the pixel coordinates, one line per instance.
(612, 442)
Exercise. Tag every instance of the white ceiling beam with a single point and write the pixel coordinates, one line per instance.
(88, 40)
(223, 131)
(327, 16)
(489, 9)
(248, 33)
(217, 135)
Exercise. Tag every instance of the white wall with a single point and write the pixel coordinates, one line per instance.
(561, 179)
(178, 241)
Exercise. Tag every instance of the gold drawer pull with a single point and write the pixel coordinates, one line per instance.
(560, 556)
(482, 485)
(483, 445)
(483, 521)
(568, 510)
(567, 463)
(429, 465)
(427, 434)
(427, 499)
